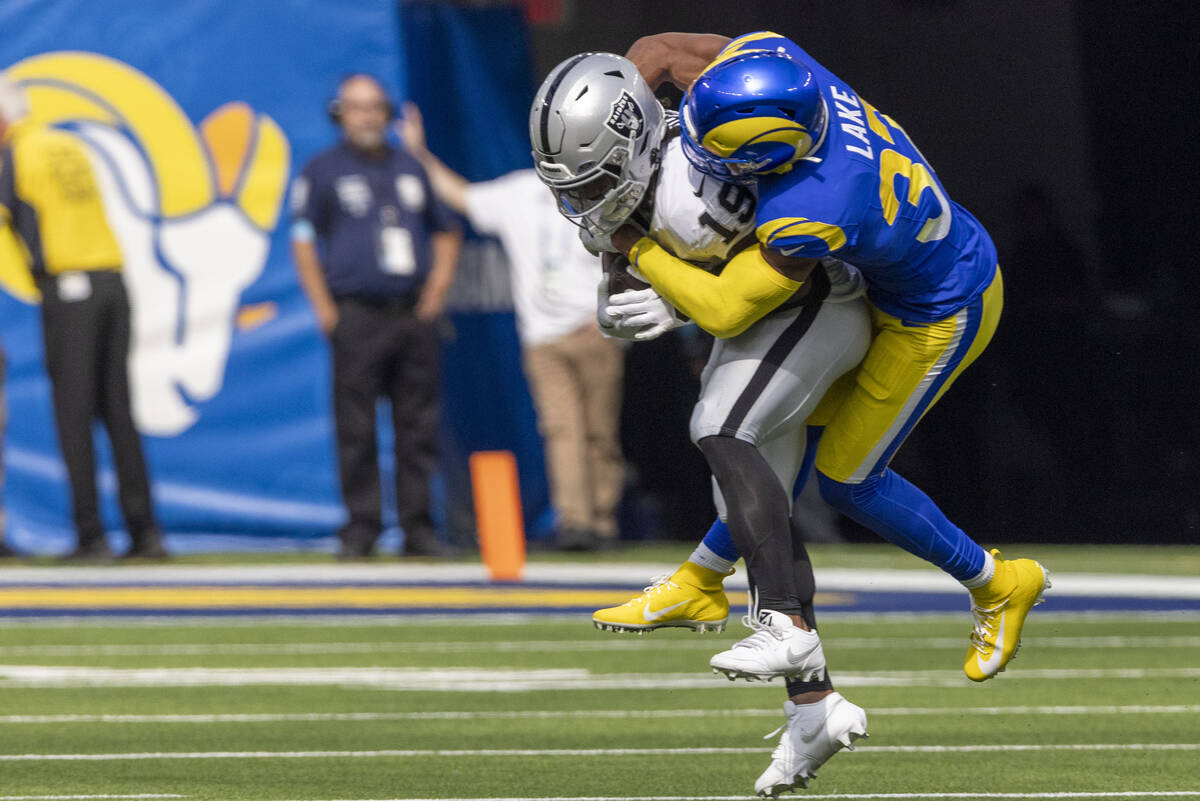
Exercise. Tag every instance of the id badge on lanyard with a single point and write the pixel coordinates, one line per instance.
(395, 247)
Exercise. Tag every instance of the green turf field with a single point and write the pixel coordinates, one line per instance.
(549, 708)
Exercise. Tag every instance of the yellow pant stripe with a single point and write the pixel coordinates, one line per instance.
(871, 410)
(910, 403)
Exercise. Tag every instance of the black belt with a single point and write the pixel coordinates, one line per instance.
(42, 276)
(391, 303)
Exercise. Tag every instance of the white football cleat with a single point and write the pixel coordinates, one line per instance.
(813, 733)
(776, 648)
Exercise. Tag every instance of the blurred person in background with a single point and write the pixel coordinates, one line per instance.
(574, 372)
(49, 195)
(376, 253)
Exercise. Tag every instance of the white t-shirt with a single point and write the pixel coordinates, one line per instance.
(553, 277)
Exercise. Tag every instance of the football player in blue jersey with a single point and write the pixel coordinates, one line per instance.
(836, 176)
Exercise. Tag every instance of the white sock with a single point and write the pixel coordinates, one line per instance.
(706, 557)
(983, 576)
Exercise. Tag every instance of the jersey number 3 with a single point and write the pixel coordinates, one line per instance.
(920, 178)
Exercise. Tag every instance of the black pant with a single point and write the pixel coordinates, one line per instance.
(384, 350)
(87, 354)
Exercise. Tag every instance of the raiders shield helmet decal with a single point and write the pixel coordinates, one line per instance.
(626, 118)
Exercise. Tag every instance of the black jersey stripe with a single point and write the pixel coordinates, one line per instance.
(558, 79)
(779, 350)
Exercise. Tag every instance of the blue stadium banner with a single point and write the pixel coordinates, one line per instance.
(197, 116)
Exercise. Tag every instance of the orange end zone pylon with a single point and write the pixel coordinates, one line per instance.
(498, 513)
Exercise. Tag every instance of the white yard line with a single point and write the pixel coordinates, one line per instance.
(324, 621)
(1133, 709)
(559, 646)
(466, 679)
(618, 574)
(576, 752)
(309, 621)
(585, 714)
(1031, 641)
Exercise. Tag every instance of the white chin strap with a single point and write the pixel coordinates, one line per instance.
(821, 139)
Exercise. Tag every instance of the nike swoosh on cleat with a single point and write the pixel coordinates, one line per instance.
(808, 735)
(988, 666)
(655, 615)
(796, 658)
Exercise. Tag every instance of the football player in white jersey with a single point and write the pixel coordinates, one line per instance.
(610, 153)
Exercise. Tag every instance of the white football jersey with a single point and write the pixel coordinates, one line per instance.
(697, 217)
(706, 221)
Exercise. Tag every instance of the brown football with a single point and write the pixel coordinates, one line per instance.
(616, 267)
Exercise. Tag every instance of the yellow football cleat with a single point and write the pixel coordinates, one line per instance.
(1000, 608)
(693, 598)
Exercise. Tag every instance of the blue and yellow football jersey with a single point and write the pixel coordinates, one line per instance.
(868, 196)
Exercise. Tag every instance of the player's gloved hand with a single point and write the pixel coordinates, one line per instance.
(643, 313)
(606, 324)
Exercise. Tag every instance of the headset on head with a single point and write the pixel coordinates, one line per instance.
(334, 107)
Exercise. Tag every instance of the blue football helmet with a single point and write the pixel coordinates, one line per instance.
(755, 112)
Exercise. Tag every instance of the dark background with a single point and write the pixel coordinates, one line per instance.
(1068, 128)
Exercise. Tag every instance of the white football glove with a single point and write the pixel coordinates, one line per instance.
(643, 314)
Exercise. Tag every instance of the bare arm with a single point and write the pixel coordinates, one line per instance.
(446, 247)
(449, 185)
(675, 57)
(312, 281)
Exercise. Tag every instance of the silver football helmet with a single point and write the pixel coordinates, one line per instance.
(596, 130)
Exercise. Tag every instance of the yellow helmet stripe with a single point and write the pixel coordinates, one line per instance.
(738, 46)
(740, 42)
(728, 137)
(725, 55)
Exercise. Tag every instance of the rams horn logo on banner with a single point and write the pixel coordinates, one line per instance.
(192, 209)
(626, 118)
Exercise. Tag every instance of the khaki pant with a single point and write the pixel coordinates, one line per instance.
(576, 386)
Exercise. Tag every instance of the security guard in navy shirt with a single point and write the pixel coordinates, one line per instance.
(376, 253)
